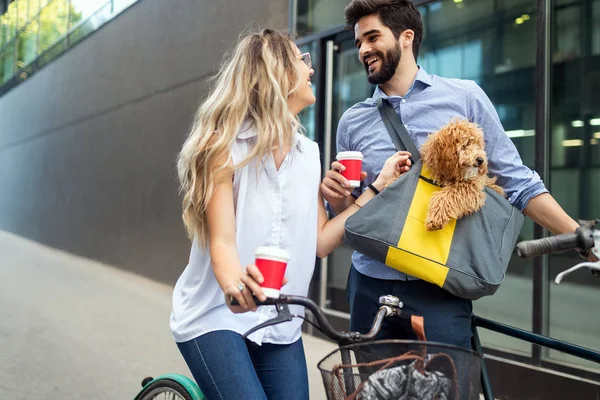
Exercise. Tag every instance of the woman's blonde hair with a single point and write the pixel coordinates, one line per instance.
(252, 87)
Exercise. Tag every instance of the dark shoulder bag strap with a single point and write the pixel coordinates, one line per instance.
(396, 130)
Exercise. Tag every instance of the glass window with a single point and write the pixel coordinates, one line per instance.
(90, 23)
(54, 23)
(493, 43)
(9, 22)
(27, 44)
(567, 40)
(596, 28)
(3, 32)
(83, 17)
(318, 15)
(28, 9)
(307, 116)
(34, 9)
(83, 9)
(43, 29)
(7, 63)
(575, 165)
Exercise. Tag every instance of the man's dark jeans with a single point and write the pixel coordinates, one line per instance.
(447, 317)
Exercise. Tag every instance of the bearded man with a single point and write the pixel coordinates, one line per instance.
(388, 35)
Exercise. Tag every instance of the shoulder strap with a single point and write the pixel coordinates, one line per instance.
(396, 130)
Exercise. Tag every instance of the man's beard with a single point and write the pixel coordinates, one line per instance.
(389, 63)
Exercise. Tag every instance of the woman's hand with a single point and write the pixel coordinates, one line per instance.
(242, 287)
(393, 168)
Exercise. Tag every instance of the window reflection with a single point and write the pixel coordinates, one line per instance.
(87, 8)
(34, 32)
(318, 15)
(596, 28)
(575, 163)
(54, 23)
(7, 62)
(27, 44)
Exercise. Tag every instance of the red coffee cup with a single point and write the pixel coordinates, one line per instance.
(352, 160)
(271, 262)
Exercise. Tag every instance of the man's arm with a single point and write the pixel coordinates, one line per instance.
(519, 182)
(524, 187)
(545, 211)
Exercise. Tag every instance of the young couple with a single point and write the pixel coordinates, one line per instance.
(250, 178)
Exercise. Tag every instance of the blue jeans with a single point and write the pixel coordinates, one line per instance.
(447, 317)
(226, 366)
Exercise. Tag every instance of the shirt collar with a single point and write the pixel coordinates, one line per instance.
(422, 76)
(248, 131)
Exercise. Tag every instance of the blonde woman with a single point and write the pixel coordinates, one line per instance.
(250, 179)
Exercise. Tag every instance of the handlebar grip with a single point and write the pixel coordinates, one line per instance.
(538, 247)
(268, 302)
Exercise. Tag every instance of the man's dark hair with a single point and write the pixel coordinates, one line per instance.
(398, 15)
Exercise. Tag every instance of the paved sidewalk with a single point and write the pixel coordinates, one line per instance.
(77, 329)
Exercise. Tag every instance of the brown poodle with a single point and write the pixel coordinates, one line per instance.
(456, 159)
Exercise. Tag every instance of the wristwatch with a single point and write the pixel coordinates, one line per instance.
(373, 188)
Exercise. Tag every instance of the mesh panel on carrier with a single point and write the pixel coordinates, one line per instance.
(401, 369)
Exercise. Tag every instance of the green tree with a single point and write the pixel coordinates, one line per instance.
(52, 23)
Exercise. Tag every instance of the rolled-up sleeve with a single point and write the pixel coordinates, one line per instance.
(519, 182)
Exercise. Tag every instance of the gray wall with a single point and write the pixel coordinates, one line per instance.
(87, 145)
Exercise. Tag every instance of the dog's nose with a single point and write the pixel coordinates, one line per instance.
(479, 160)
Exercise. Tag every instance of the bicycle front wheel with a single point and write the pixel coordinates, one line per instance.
(163, 389)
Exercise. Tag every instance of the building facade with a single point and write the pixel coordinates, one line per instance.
(94, 109)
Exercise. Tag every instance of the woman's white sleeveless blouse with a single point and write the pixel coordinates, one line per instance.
(272, 208)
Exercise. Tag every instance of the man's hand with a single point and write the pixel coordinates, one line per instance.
(336, 189)
(395, 166)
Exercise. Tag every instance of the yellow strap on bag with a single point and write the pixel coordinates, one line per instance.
(422, 253)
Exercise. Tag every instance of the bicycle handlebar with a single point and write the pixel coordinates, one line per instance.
(581, 239)
(326, 328)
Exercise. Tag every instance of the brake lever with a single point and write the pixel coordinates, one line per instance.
(283, 315)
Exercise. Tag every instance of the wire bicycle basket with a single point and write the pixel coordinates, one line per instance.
(401, 369)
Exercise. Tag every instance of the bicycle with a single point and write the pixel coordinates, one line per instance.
(346, 369)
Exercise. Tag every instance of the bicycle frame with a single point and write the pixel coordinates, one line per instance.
(546, 341)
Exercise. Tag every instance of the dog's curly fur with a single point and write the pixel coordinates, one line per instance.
(457, 161)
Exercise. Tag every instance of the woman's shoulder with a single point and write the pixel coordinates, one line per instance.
(308, 144)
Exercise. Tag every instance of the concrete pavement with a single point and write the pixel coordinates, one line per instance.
(78, 329)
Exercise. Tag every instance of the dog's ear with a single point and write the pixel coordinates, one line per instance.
(475, 133)
(432, 154)
(440, 152)
(428, 149)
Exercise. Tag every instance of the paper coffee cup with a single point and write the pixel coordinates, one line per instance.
(271, 262)
(352, 160)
